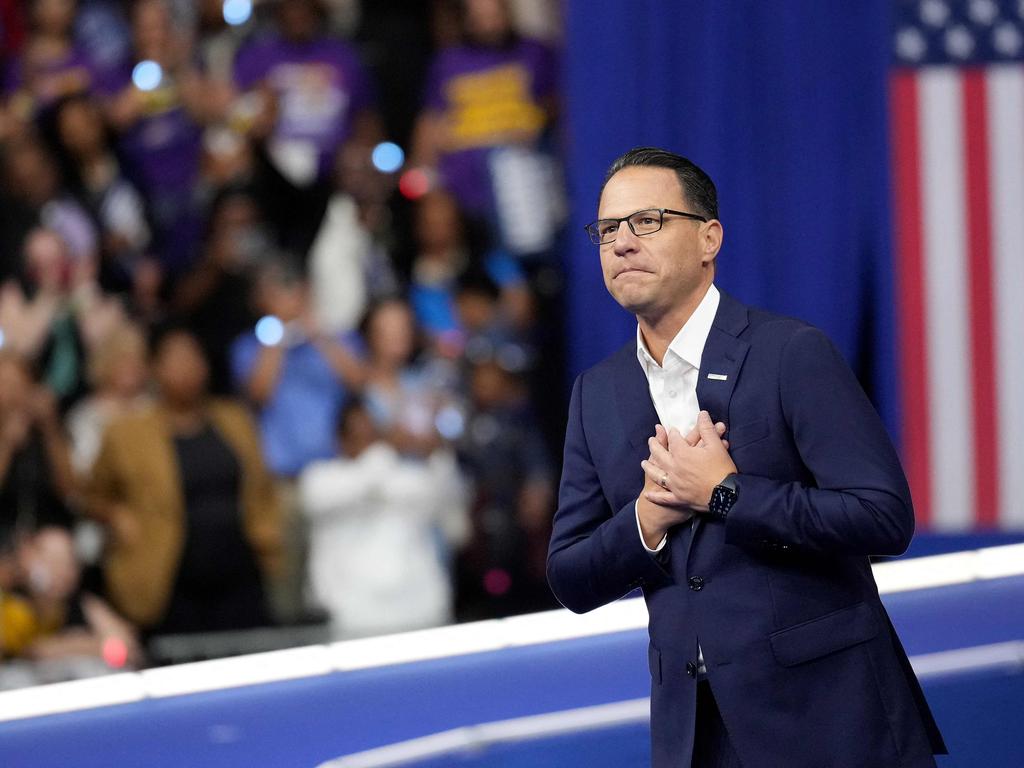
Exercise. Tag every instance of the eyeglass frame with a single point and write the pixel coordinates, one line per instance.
(595, 235)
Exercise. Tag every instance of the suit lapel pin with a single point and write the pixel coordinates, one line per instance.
(718, 376)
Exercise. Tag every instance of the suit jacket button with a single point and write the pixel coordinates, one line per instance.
(696, 583)
(691, 669)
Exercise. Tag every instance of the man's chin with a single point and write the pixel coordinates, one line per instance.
(633, 304)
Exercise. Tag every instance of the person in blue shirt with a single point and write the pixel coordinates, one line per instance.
(295, 376)
(297, 379)
(446, 254)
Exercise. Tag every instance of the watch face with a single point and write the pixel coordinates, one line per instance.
(722, 500)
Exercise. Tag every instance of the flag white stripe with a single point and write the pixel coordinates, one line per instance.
(946, 302)
(1005, 85)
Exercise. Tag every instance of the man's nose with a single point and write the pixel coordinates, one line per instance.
(625, 240)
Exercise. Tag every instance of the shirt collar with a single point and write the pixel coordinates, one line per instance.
(688, 345)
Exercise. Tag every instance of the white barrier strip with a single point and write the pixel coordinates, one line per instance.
(476, 637)
(953, 568)
(501, 731)
(237, 671)
(436, 643)
(73, 695)
(445, 642)
(1007, 656)
(996, 656)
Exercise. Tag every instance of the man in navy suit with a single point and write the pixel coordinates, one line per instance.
(729, 464)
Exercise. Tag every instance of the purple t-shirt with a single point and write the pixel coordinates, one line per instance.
(162, 151)
(321, 86)
(163, 146)
(51, 80)
(485, 95)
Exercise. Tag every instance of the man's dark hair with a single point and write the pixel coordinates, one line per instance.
(166, 329)
(698, 188)
(353, 404)
(476, 282)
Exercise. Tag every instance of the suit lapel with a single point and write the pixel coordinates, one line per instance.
(720, 365)
(636, 409)
(722, 359)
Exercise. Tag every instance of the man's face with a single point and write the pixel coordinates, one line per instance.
(48, 561)
(180, 369)
(152, 30)
(358, 432)
(46, 261)
(653, 274)
(392, 333)
(298, 19)
(283, 296)
(437, 222)
(487, 21)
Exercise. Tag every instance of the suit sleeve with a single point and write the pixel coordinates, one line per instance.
(595, 556)
(859, 502)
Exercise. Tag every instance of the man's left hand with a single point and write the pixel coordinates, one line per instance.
(690, 472)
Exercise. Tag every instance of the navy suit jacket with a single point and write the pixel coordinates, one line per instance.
(801, 656)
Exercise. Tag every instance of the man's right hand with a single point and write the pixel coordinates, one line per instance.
(656, 519)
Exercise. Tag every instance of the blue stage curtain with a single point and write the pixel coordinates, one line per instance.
(784, 104)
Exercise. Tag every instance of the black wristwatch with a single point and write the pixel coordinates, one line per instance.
(723, 497)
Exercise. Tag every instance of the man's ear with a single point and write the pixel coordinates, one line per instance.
(711, 240)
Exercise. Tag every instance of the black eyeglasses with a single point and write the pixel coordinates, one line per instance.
(645, 222)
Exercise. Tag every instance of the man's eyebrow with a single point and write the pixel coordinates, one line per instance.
(635, 210)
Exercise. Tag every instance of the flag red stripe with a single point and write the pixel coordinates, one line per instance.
(910, 289)
(984, 429)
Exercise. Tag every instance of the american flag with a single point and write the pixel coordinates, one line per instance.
(957, 100)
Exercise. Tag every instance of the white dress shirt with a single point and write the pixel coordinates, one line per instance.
(673, 384)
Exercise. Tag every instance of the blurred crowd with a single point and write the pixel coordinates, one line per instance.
(279, 318)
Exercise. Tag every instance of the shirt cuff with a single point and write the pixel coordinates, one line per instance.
(640, 531)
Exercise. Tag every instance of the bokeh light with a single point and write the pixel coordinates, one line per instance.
(237, 12)
(115, 652)
(513, 357)
(387, 157)
(147, 75)
(497, 581)
(269, 331)
(450, 423)
(414, 183)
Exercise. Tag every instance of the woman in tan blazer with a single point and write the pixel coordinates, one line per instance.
(191, 508)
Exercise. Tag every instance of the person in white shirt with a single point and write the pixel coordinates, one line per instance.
(382, 527)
